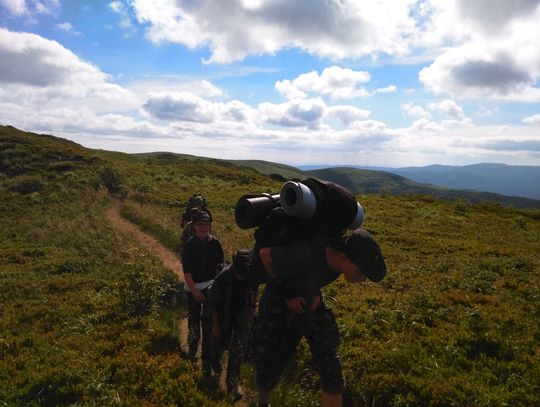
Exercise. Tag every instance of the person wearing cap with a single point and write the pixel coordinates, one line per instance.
(293, 307)
(196, 203)
(232, 299)
(201, 256)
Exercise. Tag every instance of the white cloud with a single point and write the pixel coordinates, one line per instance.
(497, 56)
(337, 82)
(65, 120)
(492, 15)
(385, 90)
(415, 111)
(534, 119)
(294, 113)
(36, 71)
(186, 107)
(448, 108)
(288, 90)
(18, 8)
(14, 7)
(346, 114)
(485, 112)
(180, 106)
(234, 29)
(122, 11)
(67, 27)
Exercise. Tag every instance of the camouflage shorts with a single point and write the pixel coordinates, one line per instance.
(276, 336)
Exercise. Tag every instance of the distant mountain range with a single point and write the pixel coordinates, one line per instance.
(522, 181)
(383, 180)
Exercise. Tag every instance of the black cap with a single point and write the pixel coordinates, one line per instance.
(364, 251)
(242, 261)
(201, 216)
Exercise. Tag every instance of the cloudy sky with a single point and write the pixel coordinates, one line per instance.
(349, 82)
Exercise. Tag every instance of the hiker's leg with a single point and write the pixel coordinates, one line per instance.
(194, 326)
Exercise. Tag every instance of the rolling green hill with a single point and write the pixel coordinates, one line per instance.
(456, 321)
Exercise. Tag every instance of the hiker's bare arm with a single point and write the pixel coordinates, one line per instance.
(266, 259)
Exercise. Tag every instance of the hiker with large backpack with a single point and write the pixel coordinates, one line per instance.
(232, 299)
(201, 256)
(300, 247)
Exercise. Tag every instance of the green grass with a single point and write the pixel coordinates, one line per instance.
(456, 321)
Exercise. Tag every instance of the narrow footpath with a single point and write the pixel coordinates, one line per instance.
(169, 260)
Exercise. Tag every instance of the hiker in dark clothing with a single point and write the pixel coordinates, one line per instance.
(293, 306)
(232, 298)
(196, 203)
(201, 257)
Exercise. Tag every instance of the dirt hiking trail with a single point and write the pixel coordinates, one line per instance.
(171, 262)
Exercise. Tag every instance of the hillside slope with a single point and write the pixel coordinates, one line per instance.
(455, 322)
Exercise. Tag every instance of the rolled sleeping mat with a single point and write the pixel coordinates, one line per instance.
(358, 219)
(298, 200)
(251, 210)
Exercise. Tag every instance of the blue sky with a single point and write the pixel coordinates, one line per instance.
(383, 83)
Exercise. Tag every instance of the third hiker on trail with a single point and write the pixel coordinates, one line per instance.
(202, 254)
(233, 300)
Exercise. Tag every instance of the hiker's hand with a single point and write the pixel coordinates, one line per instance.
(297, 305)
(315, 302)
(198, 296)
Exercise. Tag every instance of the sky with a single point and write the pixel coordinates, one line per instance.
(389, 83)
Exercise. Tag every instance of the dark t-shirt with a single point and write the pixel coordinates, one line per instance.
(301, 271)
(201, 258)
(240, 291)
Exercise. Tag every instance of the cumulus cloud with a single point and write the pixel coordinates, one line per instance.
(77, 121)
(34, 69)
(385, 90)
(448, 108)
(337, 82)
(187, 107)
(491, 15)
(534, 119)
(346, 114)
(294, 113)
(179, 106)
(415, 111)
(498, 57)
(233, 29)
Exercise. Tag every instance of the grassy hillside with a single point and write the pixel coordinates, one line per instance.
(456, 322)
(275, 170)
(369, 182)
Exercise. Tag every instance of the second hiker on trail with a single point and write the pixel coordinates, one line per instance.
(202, 254)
